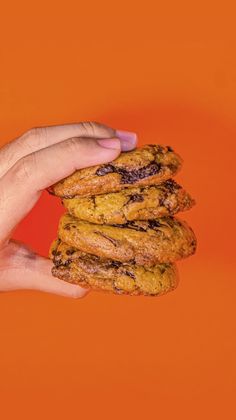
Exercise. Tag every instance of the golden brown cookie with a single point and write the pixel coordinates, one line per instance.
(87, 270)
(148, 165)
(146, 242)
(137, 203)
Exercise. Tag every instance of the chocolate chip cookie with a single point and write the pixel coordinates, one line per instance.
(137, 203)
(145, 242)
(94, 272)
(148, 165)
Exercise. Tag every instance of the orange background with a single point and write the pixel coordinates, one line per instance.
(167, 71)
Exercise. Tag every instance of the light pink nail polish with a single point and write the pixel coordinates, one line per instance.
(128, 140)
(127, 136)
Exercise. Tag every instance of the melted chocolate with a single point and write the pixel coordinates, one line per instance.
(129, 177)
(113, 241)
(131, 225)
(151, 224)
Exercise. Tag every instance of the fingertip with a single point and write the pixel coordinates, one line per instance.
(128, 139)
(79, 292)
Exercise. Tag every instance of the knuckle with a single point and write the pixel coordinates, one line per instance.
(31, 132)
(37, 133)
(95, 128)
(23, 168)
(89, 127)
(72, 144)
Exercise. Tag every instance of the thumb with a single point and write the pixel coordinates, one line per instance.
(21, 186)
(22, 269)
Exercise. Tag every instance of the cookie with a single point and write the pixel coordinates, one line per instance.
(137, 203)
(94, 272)
(145, 242)
(148, 165)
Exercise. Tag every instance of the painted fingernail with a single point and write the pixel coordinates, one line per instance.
(128, 139)
(110, 143)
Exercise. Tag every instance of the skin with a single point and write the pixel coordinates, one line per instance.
(29, 164)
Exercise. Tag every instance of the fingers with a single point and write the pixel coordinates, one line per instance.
(41, 137)
(26, 271)
(21, 186)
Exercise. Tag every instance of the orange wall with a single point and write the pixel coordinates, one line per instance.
(168, 72)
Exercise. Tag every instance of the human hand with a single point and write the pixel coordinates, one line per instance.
(28, 165)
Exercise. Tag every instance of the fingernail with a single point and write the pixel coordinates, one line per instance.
(128, 139)
(110, 143)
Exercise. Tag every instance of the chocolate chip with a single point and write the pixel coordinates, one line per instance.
(57, 262)
(70, 251)
(162, 201)
(93, 198)
(117, 290)
(67, 262)
(162, 269)
(50, 190)
(116, 264)
(169, 149)
(172, 167)
(171, 185)
(105, 169)
(153, 224)
(136, 198)
(56, 253)
(128, 273)
(67, 226)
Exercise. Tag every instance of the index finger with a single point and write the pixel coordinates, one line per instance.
(41, 137)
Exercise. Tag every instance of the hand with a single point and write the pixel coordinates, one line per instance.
(28, 165)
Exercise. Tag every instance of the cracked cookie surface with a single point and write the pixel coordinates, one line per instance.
(91, 271)
(137, 203)
(166, 239)
(148, 165)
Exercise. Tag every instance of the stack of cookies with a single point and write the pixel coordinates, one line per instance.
(119, 233)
